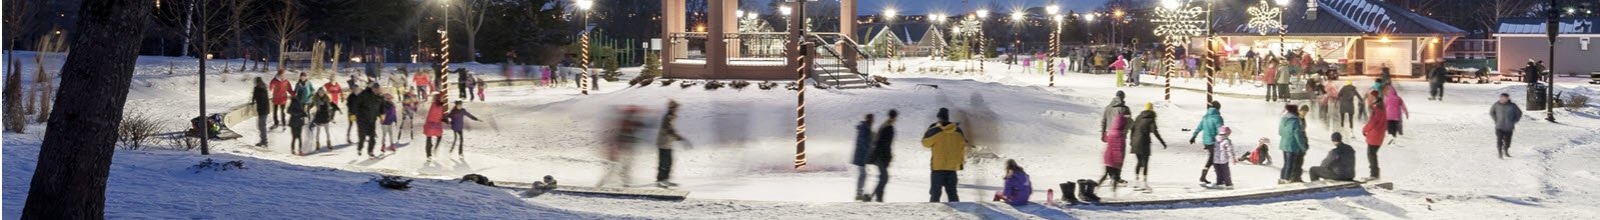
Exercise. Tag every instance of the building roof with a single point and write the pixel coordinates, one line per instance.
(1536, 26)
(1334, 17)
(909, 32)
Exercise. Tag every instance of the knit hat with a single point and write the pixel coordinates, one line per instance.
(1148, 106)
(1292, 109)
(1120, 94)
(1216, 105)
(1226, 131)
(944, 115)
(1337, 137)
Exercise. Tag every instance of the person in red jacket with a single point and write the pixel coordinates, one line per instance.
(335, 92)
(434, 127)
(423, 85)
(1374, 131)
(280, 98)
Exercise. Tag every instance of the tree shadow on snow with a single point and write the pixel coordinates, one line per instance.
(1516, 201)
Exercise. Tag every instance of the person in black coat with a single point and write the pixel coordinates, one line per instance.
(882, 152)
(1436, 81)
(367, 106)
(1139, 142)
(297, 121)
(1340, 165)
(1349, 100)
(859, 159)
(263, 105)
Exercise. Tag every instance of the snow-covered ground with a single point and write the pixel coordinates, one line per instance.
(740, 161)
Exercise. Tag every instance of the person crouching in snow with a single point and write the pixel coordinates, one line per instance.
(1018, 187)
(458, 122)
(1220, 157)
(1115, 138)
(1340, 165)
(859, 159)
(433, 128)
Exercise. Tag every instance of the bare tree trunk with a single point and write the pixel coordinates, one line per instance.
(13, 97)
(69, 181)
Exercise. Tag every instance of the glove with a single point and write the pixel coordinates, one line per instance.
(1191, 140)
(1163, 145)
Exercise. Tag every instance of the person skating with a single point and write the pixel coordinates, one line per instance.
(1143, 127)
(619, 147)
(1117, 109)
(387, 122)
(433, 127)
(1018, 187)
(949, 145)
(367, 105)
(482, 85)
(297, 121)
(1374, 132)
(882, 153)
(263, 104)
(280, 98)
(1291, 133)
(1349, 100)
(664, 139)
(335, 92)
(1270, 78)
(464, 83)
(1340, 165)
(303, 90)
(1436, 80)
(859, 159)
(1506, 114)
(320, 120)
(355, 88)
(1285, 73)
(1120, 67)
(1221, 157)
(1207, 131)
(1115, 141)
(458, 123)
(423, 84)
(1394, 108)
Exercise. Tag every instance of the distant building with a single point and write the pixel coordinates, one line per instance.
(1364, 35)
(1526, 40)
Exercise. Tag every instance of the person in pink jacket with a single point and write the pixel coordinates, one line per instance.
(1120, 67)
(1115, 151)
(1394, 107)
(433, 129)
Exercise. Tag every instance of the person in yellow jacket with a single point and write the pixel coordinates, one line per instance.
(949, 145)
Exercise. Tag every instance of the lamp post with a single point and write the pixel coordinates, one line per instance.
(1055, 42)
(983, 17)
(1017, 18)
(444, 50)
(1553, 29)
(800, 48)
(583, 59)
(938, 19)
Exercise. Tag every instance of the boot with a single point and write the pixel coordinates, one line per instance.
(1086, 190)
(1203, 173)
(1067, 193)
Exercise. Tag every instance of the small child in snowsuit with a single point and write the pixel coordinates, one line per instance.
(1258, 156)
(1220, 158)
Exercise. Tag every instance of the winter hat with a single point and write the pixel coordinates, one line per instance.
(1148, 106)
(1227, 131)
(1292, 109)
(1337, 137)
(944, 115)
(1216, 105)
(1120, 94)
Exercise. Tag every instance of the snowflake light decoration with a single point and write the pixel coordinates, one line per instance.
(1176, 26)
(1264, 17)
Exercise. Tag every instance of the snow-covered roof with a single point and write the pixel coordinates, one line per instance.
(1335, 17)
(1536, 26)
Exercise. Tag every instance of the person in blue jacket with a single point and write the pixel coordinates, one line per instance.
(1207, 131)
(1018, 188)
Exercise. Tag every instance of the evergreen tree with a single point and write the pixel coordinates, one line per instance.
(652, 66)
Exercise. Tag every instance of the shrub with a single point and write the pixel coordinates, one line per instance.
(136, 130)
(208, 164)
(1577, 102)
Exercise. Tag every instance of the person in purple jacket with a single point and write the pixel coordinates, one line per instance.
(1018, 187)
(457, 121)
(389, 117)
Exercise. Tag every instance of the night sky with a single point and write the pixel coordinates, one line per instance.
(914, 7)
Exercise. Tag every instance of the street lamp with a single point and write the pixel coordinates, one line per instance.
(889, 16)
(583, 82)
(1017, 18)
(983, 17)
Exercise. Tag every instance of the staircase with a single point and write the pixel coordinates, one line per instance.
(831, 68)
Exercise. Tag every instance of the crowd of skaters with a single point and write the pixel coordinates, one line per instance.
(379, 110)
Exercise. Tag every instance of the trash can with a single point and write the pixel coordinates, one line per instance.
(1538, 96)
